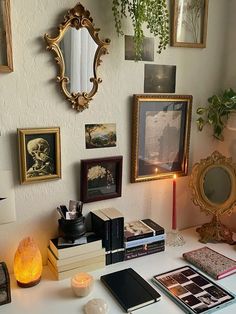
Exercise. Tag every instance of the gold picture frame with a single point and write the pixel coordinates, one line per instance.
(189, 23)
(160, 136)
(6, 60)
(40, 154)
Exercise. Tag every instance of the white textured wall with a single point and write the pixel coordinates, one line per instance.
(29, 97)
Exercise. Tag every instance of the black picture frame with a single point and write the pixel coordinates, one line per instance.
(160, 136)
(101, 178)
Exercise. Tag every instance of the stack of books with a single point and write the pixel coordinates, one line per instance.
(108, 223)
(143, 237)
(67, 258)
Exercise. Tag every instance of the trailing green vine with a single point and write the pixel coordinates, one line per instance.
(153, 13)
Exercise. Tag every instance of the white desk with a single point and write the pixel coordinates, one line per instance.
(51, 296)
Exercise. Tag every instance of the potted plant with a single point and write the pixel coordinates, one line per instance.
(217, 112)
(152, 13)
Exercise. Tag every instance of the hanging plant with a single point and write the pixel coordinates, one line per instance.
(153, 13)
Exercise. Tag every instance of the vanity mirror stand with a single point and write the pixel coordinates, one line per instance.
(213, 184)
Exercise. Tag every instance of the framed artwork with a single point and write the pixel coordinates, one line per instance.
(100, 135)
(6, 62)
(189, 24)
(160, 136)
(101, 178)
(40, 154)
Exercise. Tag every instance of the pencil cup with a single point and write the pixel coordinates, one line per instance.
(72, 229)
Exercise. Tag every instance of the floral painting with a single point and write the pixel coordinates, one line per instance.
(101, 178)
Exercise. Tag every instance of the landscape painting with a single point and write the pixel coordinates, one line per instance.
(100, 135)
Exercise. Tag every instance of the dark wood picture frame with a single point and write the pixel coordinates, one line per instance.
(40, 154)
(191, 30)
(160, 136)
(105, 175)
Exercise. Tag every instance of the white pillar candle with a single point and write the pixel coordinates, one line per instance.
(82, 284)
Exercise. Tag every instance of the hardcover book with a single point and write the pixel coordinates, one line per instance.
(130, 289)
(101, 226)
(79, 261)
(213, 263)
(116, 227)
(140, 229)
(144, 241)
(60, 275)
(93, 243)
(143, 251)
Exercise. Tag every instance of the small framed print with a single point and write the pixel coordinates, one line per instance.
(160, 136)
(40, 154)
(101, 178)
(189, 24)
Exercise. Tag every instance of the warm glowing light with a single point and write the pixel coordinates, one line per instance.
(27, 263)
(174, 176)
(82, 284)
(156, 170)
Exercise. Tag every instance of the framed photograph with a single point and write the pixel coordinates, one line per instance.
(100, 135)
(193, 291)
(159, 78)
(160, 136)
(101, 178)
(189, 24)
(6, 62)
(40, 154)
(147, 53)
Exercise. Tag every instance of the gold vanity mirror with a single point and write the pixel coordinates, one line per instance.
(213, 184)
(78, 50)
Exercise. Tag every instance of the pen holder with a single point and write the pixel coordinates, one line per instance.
(72, 229)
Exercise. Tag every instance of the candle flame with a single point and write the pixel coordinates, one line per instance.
(156, 170)
(174, 176)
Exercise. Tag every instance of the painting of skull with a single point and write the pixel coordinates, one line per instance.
(39, 154)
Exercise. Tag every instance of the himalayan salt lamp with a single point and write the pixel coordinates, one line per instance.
(27, 263)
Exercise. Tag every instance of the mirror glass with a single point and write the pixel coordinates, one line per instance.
(78, 49)
(217, 185)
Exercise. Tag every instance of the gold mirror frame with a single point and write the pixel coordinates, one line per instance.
(214, 231)
(77, 18)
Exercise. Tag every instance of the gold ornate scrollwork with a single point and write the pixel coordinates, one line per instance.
(77, 18)
(215, 230)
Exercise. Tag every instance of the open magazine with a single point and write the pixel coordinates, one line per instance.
(193, 291)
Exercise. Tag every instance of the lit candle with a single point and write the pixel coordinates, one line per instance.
(82, 284)
(174, 218)
(156, 170)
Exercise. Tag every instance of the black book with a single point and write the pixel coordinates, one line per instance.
(130, 289)
(101, 226)
(116, 227)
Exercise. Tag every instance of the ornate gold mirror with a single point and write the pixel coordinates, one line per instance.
(213, 184)
(78, 50)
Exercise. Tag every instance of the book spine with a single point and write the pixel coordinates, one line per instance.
(144, 247)
(136, 254)
(140, 236)
(102, 229)
(144, 241)
(153, 225)
(117, 233)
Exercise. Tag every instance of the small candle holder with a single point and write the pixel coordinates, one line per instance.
(174, 238)
(82, 284)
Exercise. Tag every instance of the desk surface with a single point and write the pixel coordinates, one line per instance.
(51, 296)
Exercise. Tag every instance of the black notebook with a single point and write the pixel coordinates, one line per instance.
(130, 289)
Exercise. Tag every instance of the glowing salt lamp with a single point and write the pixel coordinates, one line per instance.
(27, 263)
